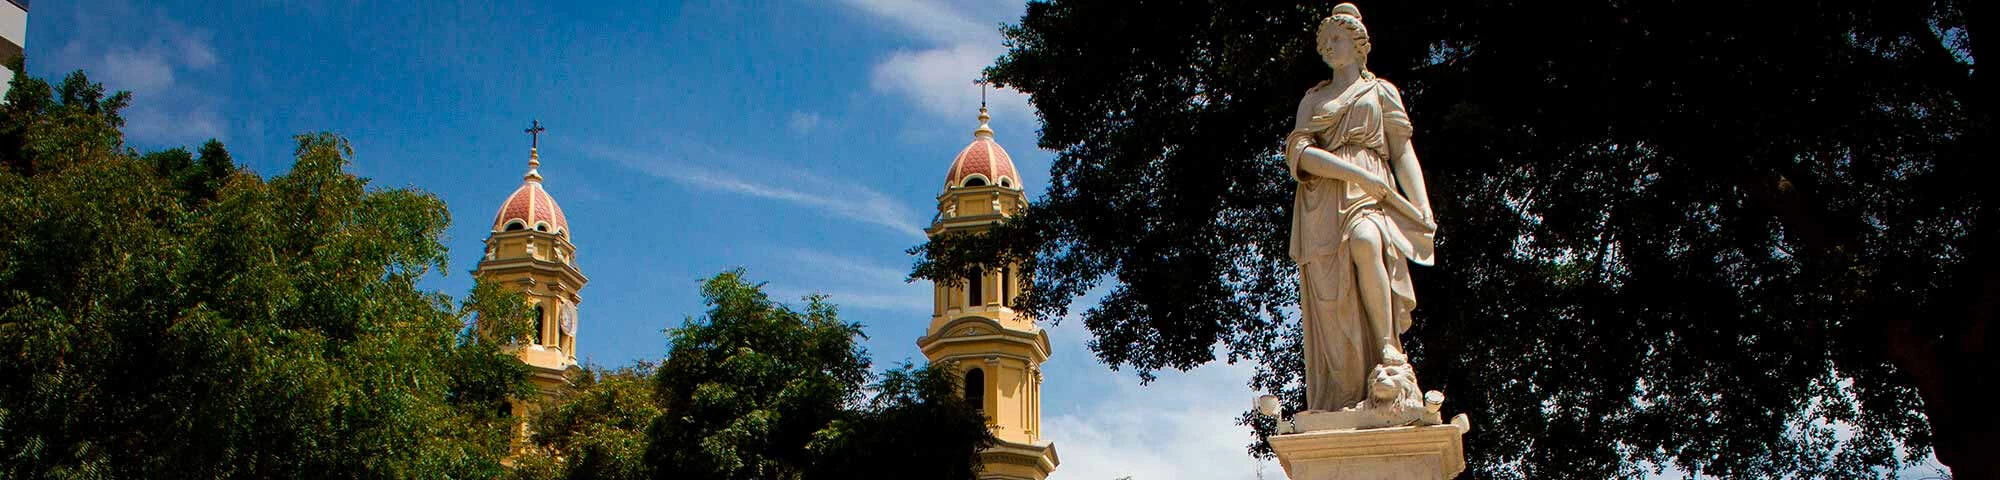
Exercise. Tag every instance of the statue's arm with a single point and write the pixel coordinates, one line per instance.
(1414, 199)
(1303, 155)
(1319, 162)
(1410, 176)
(1387, 195)
(1301, 137)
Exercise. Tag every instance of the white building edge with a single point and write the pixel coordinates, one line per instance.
(13, 35)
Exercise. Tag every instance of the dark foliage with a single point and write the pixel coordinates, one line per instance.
(1694, 233)
(917, 425)
(757, 390)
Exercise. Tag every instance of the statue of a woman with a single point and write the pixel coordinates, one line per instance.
(1361, 215)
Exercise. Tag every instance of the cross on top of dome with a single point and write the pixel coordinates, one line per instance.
(530, 207)
(983, 162)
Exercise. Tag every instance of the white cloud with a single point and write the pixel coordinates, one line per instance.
(805, 122)
(939, 21)
(152, 59)
(854, 282)
(154, 122)
(939, 81)
(194, 48)
(142, 72)
(850, 268)
(960, 39)
(773, 181)
(866, 205)
(1182, 426)
(851, 298)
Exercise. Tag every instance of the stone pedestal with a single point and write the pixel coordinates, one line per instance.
(1434, 452)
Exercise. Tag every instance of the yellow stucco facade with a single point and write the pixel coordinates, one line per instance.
(998, 351)
(529, 251)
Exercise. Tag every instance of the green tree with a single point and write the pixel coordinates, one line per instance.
(1683, 232)
(163, 316)
(594, 427)
(916, 424)
(757, 390)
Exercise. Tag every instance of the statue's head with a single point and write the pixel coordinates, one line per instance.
(1342, 39)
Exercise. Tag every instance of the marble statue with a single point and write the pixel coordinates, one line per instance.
(1359, 219)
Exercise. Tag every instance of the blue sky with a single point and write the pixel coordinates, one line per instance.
(803, 140)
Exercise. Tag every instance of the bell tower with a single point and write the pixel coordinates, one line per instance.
(999, 351)
(529, 251)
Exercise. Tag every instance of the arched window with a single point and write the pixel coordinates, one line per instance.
(514, 226)
(1006, 285)
(975, 290)
(541, 325)
(975, 389)
(975, 182)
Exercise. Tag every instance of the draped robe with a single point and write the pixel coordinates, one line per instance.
(1341, 346)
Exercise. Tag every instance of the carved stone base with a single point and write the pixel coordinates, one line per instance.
(1360, 419)
(1434, 452)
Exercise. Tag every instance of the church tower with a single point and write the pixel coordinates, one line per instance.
(999, 351)
(529, 251)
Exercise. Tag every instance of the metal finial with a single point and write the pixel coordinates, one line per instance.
(982, 91)
(983, 131)
(534, 132)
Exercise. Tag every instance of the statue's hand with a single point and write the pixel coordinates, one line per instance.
(1380, 189)
(1388, 195)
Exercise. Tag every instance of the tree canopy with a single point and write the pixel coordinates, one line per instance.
(1744, 239)
(755, 389)
(169, 315)
(594, 427)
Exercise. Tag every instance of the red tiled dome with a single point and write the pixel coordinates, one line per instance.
(533, 209)
(983, 158)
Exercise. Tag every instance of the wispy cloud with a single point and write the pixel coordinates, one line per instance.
(959, 40)
(771, 181)
(805, 122)
(142, 72)
(150, 59)
(851, 281)
(850, 269)
(940, 21)
(174, 125)
(896, 301)
(1182, 426)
